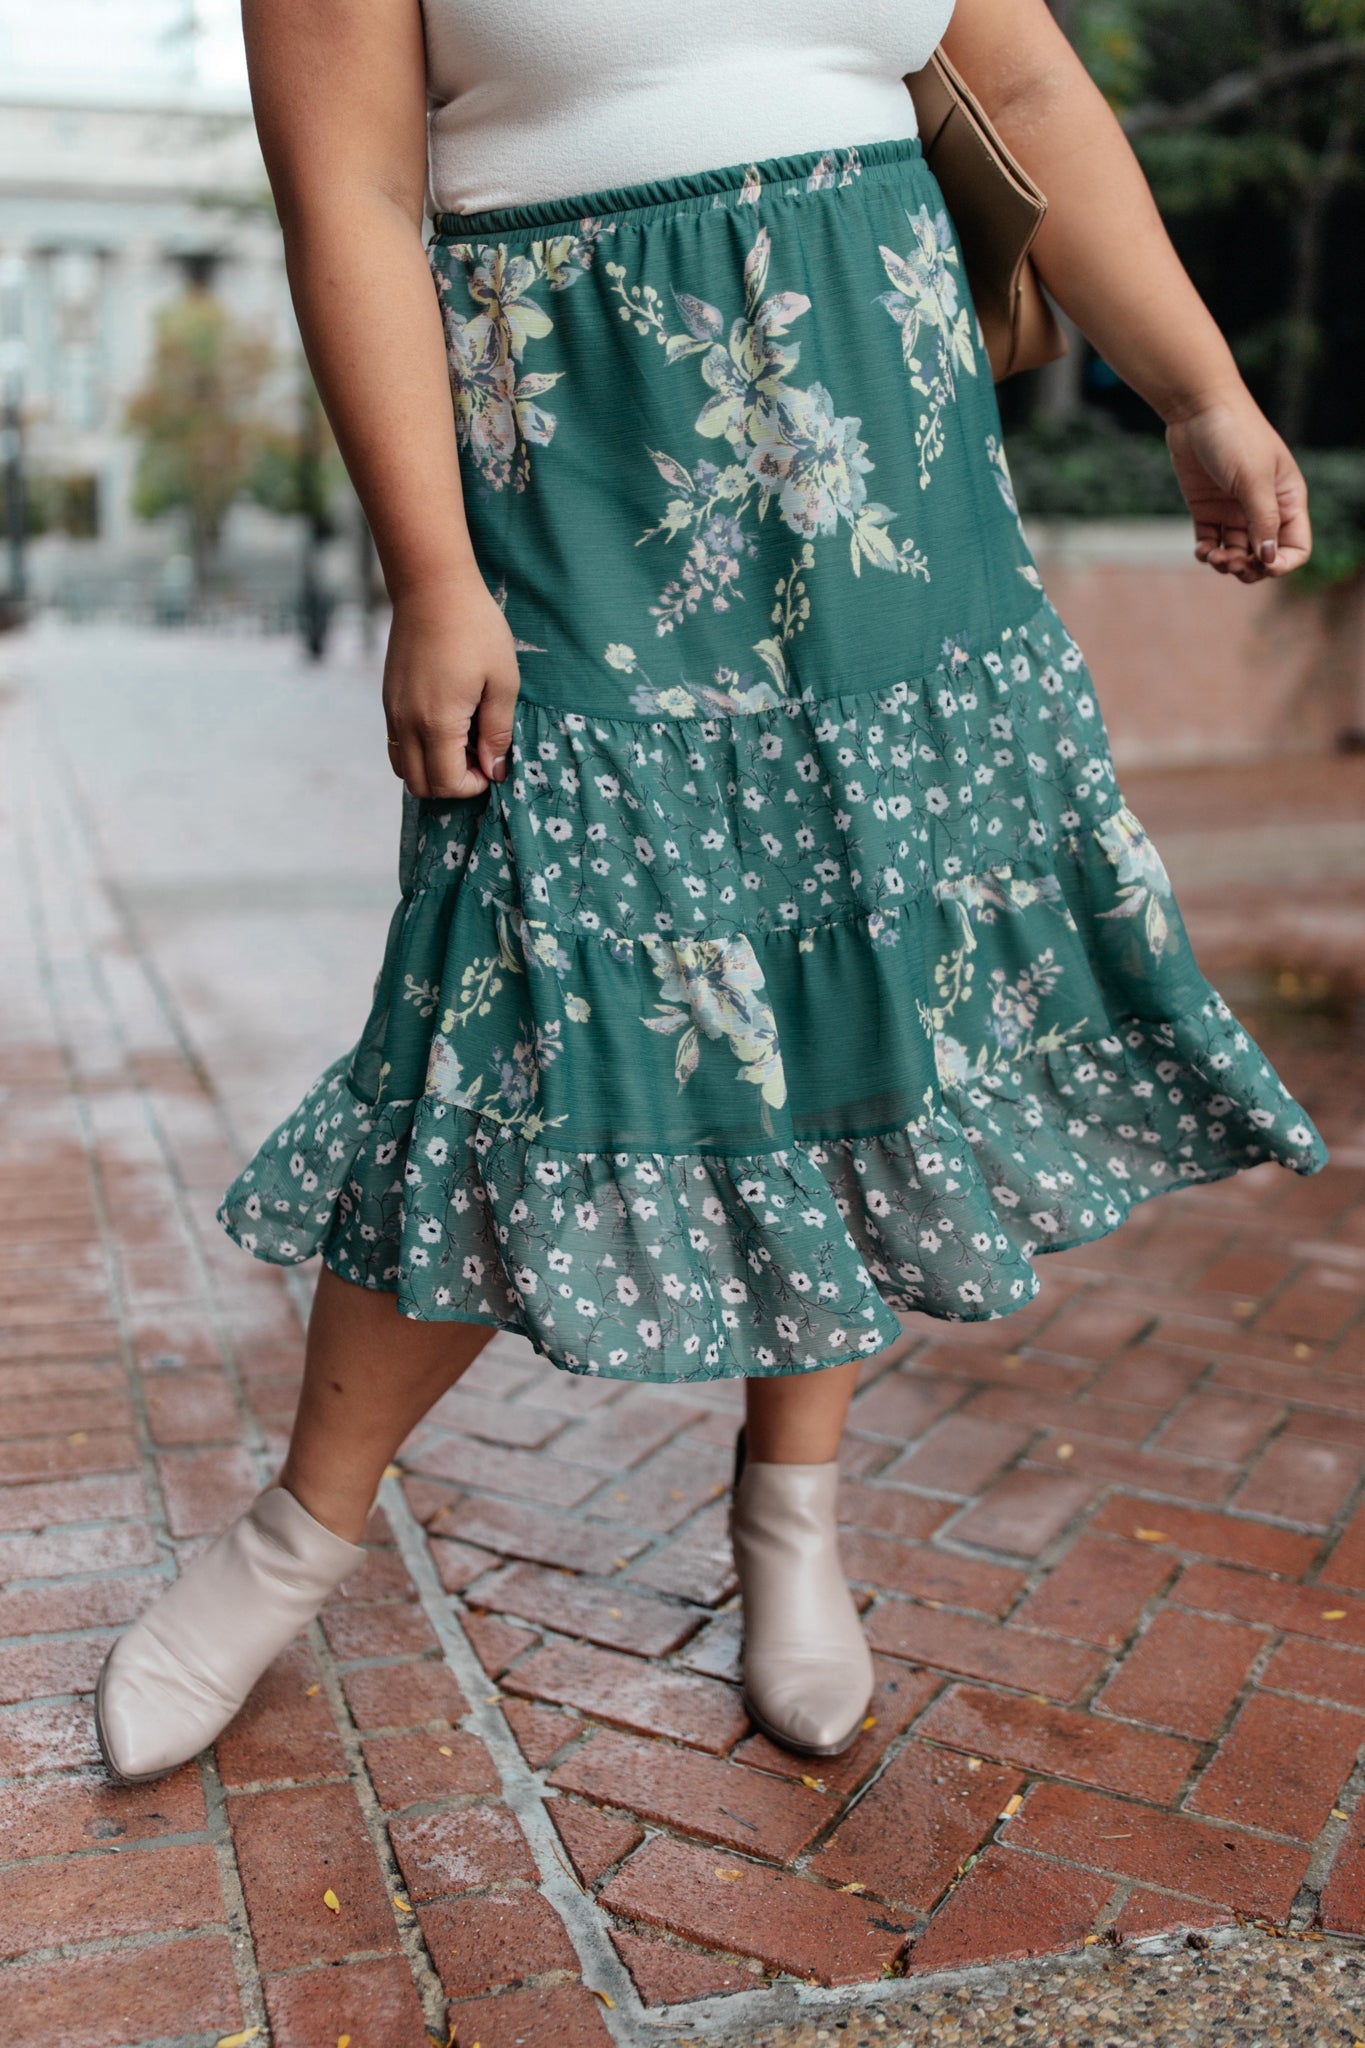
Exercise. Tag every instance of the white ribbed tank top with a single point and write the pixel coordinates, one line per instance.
(543, 99)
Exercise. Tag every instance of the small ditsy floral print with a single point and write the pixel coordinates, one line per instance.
(626, 883)
(753, 1012)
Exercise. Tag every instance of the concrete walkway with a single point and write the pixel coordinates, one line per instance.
(1112, 1550)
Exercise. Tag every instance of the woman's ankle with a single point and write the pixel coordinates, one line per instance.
(798, 1418)
(345, 1512)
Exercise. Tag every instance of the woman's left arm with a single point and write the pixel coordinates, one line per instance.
(1107, 260)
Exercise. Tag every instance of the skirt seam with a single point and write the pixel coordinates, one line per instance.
(801, 700)
(874, 1135)
(852, 913)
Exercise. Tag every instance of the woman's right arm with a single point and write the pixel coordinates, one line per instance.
(339, 92)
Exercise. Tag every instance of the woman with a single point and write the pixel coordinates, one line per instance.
(776, 953)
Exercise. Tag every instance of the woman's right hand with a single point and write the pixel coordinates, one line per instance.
(450, 689)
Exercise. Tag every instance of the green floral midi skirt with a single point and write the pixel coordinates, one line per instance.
(809, 966)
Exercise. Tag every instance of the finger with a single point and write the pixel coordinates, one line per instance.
(1287, 560)
(405, 759)
(451, 770)
(1296, 531)
(410, 765)
(1231, 553)
(1261, 505)
(497, 707)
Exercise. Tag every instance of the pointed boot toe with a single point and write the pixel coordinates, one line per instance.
(806, 1667)
(176, 1677)
(150, 1712)
(807, 1709)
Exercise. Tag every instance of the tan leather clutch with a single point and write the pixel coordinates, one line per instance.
(997, 210)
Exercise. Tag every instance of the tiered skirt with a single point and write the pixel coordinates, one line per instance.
(809, 967)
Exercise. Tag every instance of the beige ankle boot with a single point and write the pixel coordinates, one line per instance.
(176, 1677)
(806, 1666)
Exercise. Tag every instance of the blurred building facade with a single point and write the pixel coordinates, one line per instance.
(108, 210)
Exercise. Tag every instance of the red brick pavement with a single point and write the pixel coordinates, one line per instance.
(1112, 1553)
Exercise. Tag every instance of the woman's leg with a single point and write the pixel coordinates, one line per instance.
(799, 1418)
(175, 1678)
(806, 1668)
(369, 1376)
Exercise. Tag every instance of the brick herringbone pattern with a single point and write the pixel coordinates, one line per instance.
(1112, 1553)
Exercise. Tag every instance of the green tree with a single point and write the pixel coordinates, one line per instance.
(1237, 105)
(300, 475)
(200, 418)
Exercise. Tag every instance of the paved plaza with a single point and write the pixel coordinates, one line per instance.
(1111, 1549)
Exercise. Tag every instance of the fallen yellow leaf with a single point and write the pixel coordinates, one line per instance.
(870, 1721)
(619, 1563)
(855, 1887)
(401, 1904)
(813, 1784)
(605, 1997)
(1066, 1450)
(1303, 1351)
(1334, 1614)
(446, 1749)
(79, 1436)
(239, 2040)
(310, 1690)
(331, 1901)
(343, 2041)
(973, 1763)
(727, 1874)
(393, 1471)
(615, 1613)
(1011, 1806)
(1091, 1939)
(1011, 1359)
(1339, 1814)
(490, 1699)
(1151, 1535)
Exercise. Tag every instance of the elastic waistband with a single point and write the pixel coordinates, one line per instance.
(691, 191)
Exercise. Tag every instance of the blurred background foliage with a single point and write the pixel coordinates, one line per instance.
(1248, 117)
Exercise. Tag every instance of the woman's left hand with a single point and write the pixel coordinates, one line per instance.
(1245, 491)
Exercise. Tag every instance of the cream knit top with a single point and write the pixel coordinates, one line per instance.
(544, 99)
